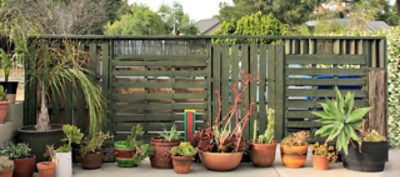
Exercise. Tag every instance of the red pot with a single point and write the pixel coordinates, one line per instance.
(221, 161)
(24, 167)
(3, 110)
(294, 156)
(162, 157)
(46, 169)
(263, 155)
(6, 172)
(91, 161)
(182, 164)
(320, 162)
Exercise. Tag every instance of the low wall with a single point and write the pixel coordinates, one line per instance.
(13, 121)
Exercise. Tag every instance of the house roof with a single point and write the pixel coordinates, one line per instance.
(206, 24)
(372, 25)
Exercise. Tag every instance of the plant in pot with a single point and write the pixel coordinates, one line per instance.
(63, 153)
(4, 103)
(6, 63)
(182, 157)
(6, 167)
(24, 161)
(131, 152)
(262, 149)
(162, 146)
(221, 145)
(91, 157)
(294, 149)
(47, 168)
(323, 154)
(51, 71)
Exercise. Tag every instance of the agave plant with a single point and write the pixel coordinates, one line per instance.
(340, 121)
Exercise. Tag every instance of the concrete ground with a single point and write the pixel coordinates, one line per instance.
(392, 169)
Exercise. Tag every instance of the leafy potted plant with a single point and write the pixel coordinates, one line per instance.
(91, 157)
(24, 161)
(47, 168)
(323, 154)
(131, 152)
(10, 86)
(162, 146)
(63, 153)
(182, 157)
(6, 167)
(222, 144)
(294, 149)
(51, 70)
(262, 149)
(4, 103)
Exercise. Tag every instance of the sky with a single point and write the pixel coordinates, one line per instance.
(197, 9)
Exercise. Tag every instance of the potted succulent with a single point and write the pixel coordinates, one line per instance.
(182, 157)
(24, 161)
(91, 157)
(6, 167)
(131, 152)
(47, 168)
(4, 103)
(162, 146)
(63, 153)
(342, 124)
(323, 154)
(294, 149)
(262, 149)
(222, 144)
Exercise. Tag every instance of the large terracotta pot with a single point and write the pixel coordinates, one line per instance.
(182, 164)
(24, 167)
(6, 172)
(263, 155)
(221, 161)
(3, 110)
(162, 157)
(91, 161)
(293, 156)
(320, 162)
(46, 169)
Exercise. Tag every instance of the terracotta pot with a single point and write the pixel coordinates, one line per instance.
(320, 162)
(263, 155)
(46, 169)
(293, 156)
(3, 110)
(221, 161)
(182, 164)
(24, 167)
(6, 172)
(91, 161)
(161, 157)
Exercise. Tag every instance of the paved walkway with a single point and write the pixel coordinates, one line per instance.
(392, 169)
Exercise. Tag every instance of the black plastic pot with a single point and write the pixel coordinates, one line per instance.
(371, 158)
(11, 89)
(37, 140)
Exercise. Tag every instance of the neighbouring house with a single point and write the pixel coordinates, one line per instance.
(368, 26)
(208, 26)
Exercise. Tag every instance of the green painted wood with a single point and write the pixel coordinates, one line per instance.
(272, 88)
(235, 68)
(317, 103)
(225, 85)
(317, 71)
(216, 78)
(262, 88)
(246, 99)
(303, 124)
(159, 73)
(322, 93)
(156, 117)
(157, 106)
(209, 90)
(280, 91)
(169, 84)
(160, 63)
(254, 53)
(321, 82)
(325, 59)
(149, 126)
(93, 60)
(105, 86)
(150, 57)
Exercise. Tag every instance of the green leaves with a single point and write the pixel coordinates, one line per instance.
(73, 135)
(171, 135)
(184, 149)
(16, 151)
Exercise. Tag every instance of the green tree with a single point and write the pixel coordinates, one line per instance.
(176, 20)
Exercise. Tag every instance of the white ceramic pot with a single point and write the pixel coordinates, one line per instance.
(64, 164)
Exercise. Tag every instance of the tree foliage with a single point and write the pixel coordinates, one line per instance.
(176, 20)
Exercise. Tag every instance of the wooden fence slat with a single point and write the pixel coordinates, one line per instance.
(158, 106)
(160, 73)
(262, 89)
(157, 96)
(322, 82)
(377, 100)
(254, 54)
(156, 117)
(330, 71)
(245, 68)
(317, 103)
(280, 92)
(225, 86)
(160, 63)
(235, 69)
(322, 93)
(271, 97)
(168, 84)
(216, 78)
(160, 57)
(325, 59)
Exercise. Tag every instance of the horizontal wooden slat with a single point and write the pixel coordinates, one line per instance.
(154, 117)
(322, 93)
(316, 103)
(299, 114)
(148, 126)
(180, 84)
(158, 106)
(319, 71)
(157, 96)
(302, 124)
(160, 73)
(325, 59)
(159, 63)
(159, 57)
(316, 81)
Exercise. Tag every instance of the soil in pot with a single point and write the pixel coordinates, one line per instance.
(182, 164)
(372, 157)
(320, 162)
(6, 172)
(24, 167)
(3, 110)
(263, 155)
(46, 169)
(293, 156)
(162, 157)
(91, 161)
(221, 161)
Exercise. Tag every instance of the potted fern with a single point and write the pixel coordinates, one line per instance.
(90, 151)
(182, 157)
(6, 167)
(4, 103)
(294, 149)
(162, 146)
(262, 149)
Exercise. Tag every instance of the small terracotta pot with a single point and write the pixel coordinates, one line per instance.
(263, 155)
(320, 162)
(3, 110)
(182, 164)
(91, 161)
(24, 167)
(221, 161)
(46, 169)
(162, 157)
(6, 172)
(294, 156)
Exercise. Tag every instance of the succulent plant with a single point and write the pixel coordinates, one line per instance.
(269, 134)
(3, 95)
(184, 149)
(16, 151)
(373, 136)
(325, 150)
(6, 163)
(170, 135)
(73, 135)
(296, 139)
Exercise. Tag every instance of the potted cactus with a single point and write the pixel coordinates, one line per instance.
(4, 103)
(24, 161)
(182, 157)
(6, 167)
(262, 149)
(162, 146)
(91, 157)
(47, 168)
(294, 149)
(323, 154)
